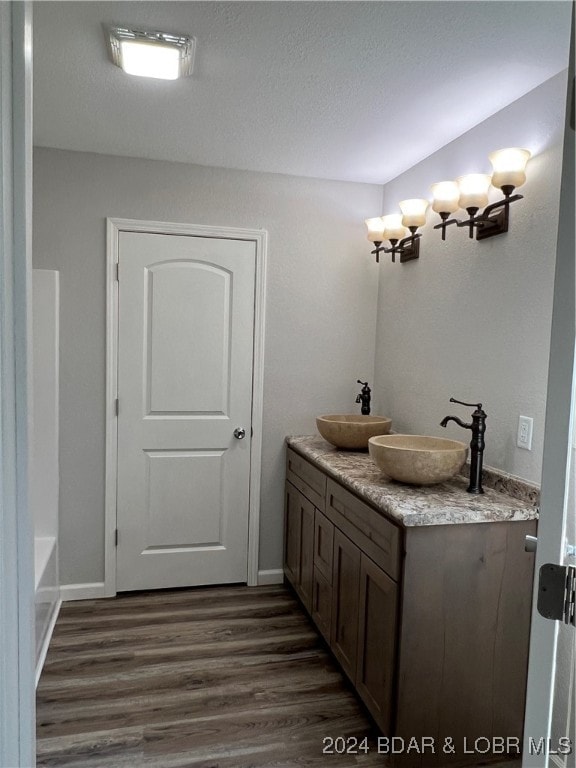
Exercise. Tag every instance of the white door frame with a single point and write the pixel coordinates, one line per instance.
(17, 641)
(558, 436)
(259, 238)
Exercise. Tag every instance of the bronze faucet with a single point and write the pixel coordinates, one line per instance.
(478, 427)
(364, 398)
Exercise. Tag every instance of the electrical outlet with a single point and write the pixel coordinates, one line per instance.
(525, 426)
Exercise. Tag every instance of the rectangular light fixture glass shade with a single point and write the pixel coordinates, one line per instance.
(152, 54)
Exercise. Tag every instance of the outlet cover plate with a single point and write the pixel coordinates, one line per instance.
(525, 428)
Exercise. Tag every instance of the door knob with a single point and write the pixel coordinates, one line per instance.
(239, 433)
(530, 543)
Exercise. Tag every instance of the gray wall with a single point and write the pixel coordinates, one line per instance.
(321, 305)
(472, 319)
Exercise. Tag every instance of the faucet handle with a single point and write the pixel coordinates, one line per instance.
(468, 405)
(365, 383)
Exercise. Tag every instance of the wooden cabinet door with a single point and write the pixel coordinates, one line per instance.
(345, 587)
(323, 545)
(378, 606)
(304, 586)
(322, 604)
(292, 534)
(299, 543)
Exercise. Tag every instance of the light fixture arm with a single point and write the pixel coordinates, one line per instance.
(488, 224)
(407, 249)
(377, 251)
(471, 222)
(445, 223)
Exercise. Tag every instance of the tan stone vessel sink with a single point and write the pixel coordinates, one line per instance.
(417, 459)
(351, 431)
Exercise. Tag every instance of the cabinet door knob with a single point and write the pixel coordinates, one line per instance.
(239, 433)
(530, 544)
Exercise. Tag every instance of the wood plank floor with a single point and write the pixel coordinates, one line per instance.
(227, 677)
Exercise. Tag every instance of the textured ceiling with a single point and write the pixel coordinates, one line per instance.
(343, 90)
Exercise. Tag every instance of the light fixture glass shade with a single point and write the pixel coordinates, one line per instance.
(393, 229)
(375, 229)
(146, 59)
(473, 190)
(414, 212)
(446, 195)
(152, 54)
(509, 167)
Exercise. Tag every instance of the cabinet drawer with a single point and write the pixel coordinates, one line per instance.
(322, 604)
(373, 533)
(311, 482)
(323, 545)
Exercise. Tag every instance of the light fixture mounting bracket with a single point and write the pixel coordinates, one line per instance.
(411, 250)
(495, 218)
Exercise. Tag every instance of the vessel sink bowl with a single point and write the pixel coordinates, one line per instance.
(351, 431)
(417, 459)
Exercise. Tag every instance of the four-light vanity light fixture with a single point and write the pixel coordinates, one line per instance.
(469, 193)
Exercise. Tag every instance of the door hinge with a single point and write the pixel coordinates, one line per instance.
(117, 406)
(557, 593)
(118, 271)
(116, 537)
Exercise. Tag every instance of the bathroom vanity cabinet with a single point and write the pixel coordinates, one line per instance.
(430, 622)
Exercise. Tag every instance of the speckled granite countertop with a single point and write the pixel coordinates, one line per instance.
(505, 497)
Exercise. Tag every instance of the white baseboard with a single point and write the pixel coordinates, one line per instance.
(47, 638)
(43, 549)
(98, 589)
(83, 591)
(275, 576)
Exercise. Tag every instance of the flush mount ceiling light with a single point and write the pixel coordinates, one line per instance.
(152, 54)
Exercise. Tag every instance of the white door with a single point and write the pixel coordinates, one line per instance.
(185, 352)
(549, 739)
